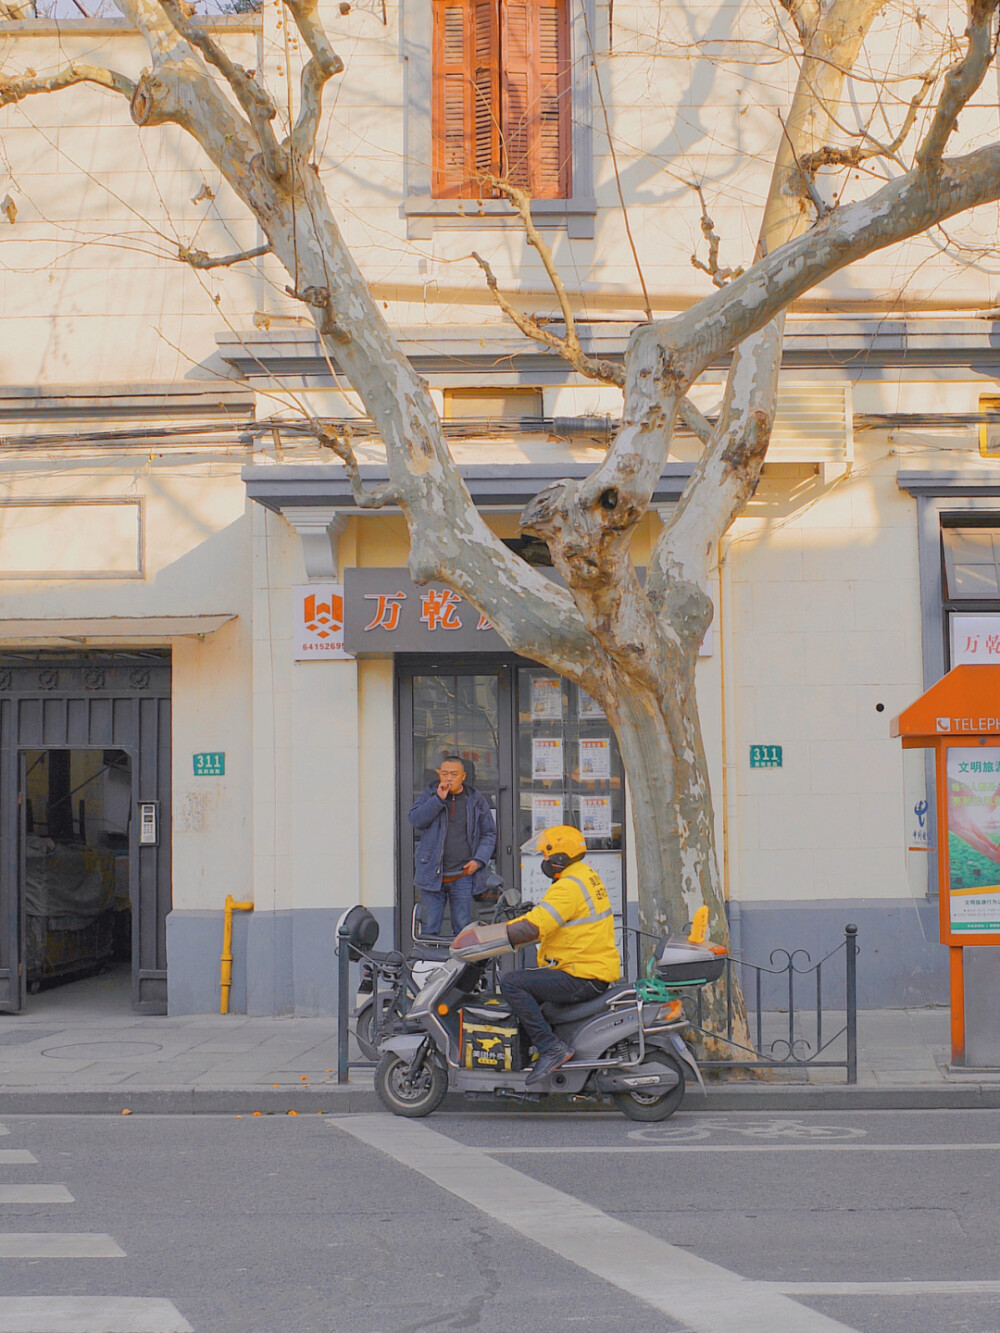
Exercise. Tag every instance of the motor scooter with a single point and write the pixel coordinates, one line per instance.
(627, 1043)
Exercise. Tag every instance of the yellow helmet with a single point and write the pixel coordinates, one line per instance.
(562, 840)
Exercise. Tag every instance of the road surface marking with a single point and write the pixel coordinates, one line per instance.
(747, 1148)
(90, 1314)
(969, 1287)
(59, 1245)
(18, 1157)
(3, 1130)
(704, 1296)
(35, 1194)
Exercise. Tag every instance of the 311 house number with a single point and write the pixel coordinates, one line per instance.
(765, 756)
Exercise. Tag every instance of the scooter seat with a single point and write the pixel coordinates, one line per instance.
(573, 1013)
(429, 953)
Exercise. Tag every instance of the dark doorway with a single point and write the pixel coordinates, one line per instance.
(84, 745)
(77, 814)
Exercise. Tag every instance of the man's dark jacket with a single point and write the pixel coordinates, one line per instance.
(429, 815)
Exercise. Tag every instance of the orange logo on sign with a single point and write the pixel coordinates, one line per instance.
(324, 618)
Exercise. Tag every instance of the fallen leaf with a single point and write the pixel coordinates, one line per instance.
(126, 1111)
(258, 1112)
(303, 1078)
(291, 1113)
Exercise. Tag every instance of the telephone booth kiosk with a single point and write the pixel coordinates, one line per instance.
(959, 718)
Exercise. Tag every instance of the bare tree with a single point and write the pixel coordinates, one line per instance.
(632, 647)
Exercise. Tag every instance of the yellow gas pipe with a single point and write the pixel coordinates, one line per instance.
(226, 962)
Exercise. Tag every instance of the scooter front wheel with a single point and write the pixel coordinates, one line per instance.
(649, 1106)
(411, 1097)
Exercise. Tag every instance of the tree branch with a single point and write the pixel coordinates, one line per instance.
(805, 14)
(960, 83)
(568, 346)
(13, 89)
(829, 156)
(199, 258)
(255, 101)
(364, 498)
(323, 65)
(720, 276)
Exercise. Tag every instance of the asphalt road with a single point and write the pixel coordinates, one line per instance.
(739, 1223)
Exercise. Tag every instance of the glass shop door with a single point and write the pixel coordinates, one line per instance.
(538, 748)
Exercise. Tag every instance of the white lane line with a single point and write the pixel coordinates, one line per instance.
(59, 1245)
(969, 1287)
(3, 1130)
(35, 1194)
(90, 1314)
(705, 1297)
(17, 1157)
(748, 1147)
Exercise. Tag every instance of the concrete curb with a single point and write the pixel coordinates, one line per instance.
(357, 1098)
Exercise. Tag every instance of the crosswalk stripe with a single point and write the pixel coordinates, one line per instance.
(17, 1157)
(59, 1245)
(90, 1314)
(3, 1130)
(35, 1194)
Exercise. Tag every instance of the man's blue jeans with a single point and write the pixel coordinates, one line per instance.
(526, 989)
(459, 897)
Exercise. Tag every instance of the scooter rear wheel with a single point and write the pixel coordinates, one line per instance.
(414, 1097)
(649, 1106)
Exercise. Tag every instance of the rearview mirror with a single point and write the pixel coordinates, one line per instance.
(512, 897)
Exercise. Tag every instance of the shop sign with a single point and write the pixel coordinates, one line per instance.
(211, 764)
(975, 640)
(319, 622)
(386, 612)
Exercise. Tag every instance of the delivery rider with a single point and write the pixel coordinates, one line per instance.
(574, 929)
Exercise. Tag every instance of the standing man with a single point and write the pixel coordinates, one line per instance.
(574, 929)
(458, 836)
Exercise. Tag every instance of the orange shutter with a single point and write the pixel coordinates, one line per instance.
(466, 129)
(536, 121)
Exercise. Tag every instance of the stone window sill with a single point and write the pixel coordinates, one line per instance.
(425, 215)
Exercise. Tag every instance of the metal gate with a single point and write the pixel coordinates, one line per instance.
(101, 701)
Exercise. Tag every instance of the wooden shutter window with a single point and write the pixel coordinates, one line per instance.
(466, 86)
(535, 107)
(501, 97)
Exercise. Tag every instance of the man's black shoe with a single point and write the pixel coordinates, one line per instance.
(548, 1062)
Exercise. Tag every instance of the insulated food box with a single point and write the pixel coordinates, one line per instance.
(681, 964)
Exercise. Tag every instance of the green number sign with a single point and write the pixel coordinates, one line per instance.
(210, 765)
(765, 756)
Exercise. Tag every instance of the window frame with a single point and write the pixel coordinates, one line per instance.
(424, 214)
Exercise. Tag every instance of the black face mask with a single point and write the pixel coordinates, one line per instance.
(550, 870)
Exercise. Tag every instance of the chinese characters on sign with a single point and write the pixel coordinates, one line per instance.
(975, 640)
(319, 622)
(386, 612)
(595, 816)
(973, 840)
(595, 759)
(546, 758)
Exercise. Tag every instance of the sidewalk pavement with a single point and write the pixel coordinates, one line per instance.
(93, 1055)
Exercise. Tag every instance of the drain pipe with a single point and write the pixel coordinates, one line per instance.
(226, 962)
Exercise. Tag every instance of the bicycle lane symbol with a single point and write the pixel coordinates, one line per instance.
(773, 1130)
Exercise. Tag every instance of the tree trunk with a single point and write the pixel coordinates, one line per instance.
(673, 829)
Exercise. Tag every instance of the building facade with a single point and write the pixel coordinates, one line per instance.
(179, 559)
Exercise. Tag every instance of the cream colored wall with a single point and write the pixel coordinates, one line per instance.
(93, 291)
(822, 583)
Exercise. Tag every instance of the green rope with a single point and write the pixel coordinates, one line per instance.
(652, 989)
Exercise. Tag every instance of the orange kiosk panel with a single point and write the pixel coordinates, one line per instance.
(959, 718)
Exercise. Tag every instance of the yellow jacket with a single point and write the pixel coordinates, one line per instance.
(576, 927)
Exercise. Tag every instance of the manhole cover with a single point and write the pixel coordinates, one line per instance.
(104, 1050)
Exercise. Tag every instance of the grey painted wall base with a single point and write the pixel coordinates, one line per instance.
(982, 1001)
(900, 962)
(283, 962)
(286, 963)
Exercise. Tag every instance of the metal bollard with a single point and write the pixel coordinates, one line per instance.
(343, 1004)
(850, 945)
